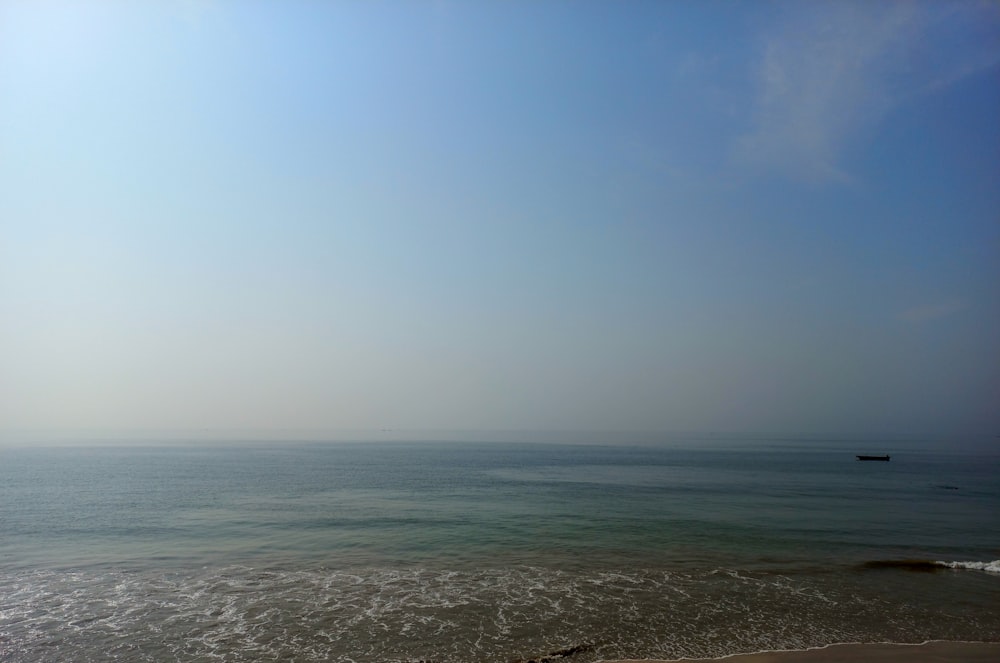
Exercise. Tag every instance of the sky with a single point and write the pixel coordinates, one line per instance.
(546, 215)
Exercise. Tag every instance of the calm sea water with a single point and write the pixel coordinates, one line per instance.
(492, 551)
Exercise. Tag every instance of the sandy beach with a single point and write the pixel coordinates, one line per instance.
(928, 652)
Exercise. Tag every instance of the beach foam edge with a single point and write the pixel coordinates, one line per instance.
(929, 651)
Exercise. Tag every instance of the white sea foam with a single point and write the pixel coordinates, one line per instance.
(989, 567)
(400, 615)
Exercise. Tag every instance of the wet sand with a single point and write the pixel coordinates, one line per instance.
(928, 652)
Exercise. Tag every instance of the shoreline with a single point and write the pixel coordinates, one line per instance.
(930, 651)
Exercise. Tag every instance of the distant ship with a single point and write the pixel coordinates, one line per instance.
(885, 457)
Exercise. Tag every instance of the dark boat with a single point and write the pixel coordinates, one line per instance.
(884, 457)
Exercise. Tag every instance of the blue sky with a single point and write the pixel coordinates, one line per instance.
(705, 216)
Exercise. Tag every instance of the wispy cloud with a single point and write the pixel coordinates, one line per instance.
(832, 71)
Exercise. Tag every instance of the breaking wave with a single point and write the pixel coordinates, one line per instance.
(930, 566)
(989, 567)
(492, 615)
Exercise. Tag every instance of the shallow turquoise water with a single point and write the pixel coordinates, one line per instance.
(459, 550)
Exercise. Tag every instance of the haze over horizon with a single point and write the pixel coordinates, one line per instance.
(593, 216)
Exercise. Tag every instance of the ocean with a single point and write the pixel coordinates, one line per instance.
(493, 548)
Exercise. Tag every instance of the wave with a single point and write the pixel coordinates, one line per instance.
(929, 566)
(403, 615)
(989, 567)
